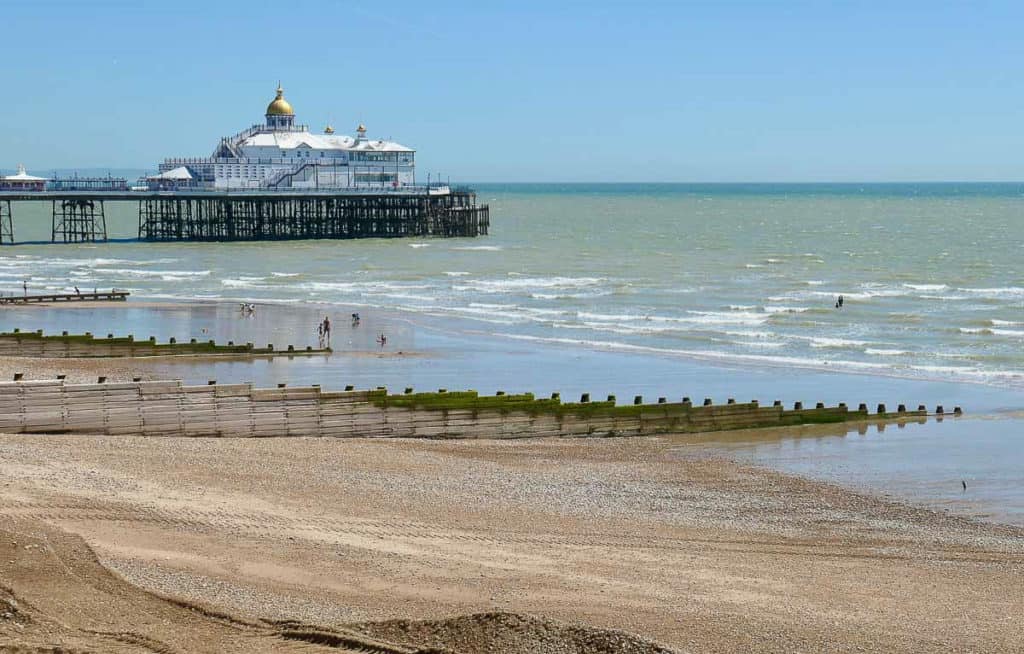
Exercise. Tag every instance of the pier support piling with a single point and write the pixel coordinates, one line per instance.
(78, 220)
(269, 217)
(6, 222)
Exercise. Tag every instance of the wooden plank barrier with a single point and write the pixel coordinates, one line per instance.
(169, 408)
(112, 296)
(35, 344)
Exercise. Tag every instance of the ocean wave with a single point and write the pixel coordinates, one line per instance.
(526, 283)
(284, 274)
(455, 273)
(751, 334)
(570, 296)
(998, 293)
(827, 341)
(1016, 333)
(877, 351)
(814, 282)
(694, 318)
(363, 287)
(166, 275)
(484, 248)
(935, 372)
(759, 345)
(995, 322)
(419, 245)
(782, 309)
(243, 283)
(927, 287)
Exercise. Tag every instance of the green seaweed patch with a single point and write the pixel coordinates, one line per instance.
(676, 416)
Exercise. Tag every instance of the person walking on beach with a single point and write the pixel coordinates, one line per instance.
(327, 331)
(840, 301)
(78, 292)
(383, 340)
(320, 334)
(24, 286)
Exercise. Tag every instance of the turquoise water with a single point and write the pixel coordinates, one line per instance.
(931, 274)
(661, 290)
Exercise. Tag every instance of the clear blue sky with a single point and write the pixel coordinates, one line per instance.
(533, 91)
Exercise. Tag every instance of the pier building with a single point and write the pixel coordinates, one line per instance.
(280, 154)
(273, 181)
(22, 181)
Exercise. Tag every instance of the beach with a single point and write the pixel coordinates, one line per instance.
(847, 538)
(668, 541)
(695, 553)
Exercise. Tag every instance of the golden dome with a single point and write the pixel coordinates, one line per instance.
(328, 130)
(280, 106)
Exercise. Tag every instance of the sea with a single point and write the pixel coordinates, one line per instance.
(700, 288)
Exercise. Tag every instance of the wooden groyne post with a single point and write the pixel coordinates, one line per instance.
(168, 408)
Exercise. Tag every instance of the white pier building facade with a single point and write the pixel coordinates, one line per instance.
(281, 155)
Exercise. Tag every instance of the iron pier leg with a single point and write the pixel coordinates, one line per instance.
(6, 222)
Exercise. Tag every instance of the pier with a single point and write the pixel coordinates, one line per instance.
(196, 215)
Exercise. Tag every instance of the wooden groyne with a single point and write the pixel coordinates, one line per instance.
(168, 408)
(36, 344)
(112, 296)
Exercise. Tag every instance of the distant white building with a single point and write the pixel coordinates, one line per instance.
(282, 155)
(22, 181)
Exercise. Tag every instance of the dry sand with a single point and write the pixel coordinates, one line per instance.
(699, 555)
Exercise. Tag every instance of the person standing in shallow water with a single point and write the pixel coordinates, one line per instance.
(327, 331)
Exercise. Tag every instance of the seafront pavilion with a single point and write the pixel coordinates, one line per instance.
(273, 181)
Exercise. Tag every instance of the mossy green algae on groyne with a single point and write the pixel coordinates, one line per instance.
(608, 418)
(19, 343)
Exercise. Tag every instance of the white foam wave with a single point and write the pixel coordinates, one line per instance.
(419, 245)
(456, 273)
(1016, 333)
(1005, 323)
(484, 248)
(241, 283)
(782, 309)
(759, 345)
(283, 274)
(878, 351)
(163, 274)
(995, 293)
(814, 282)
(825, 341)
(927, 287)
(526, 283)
